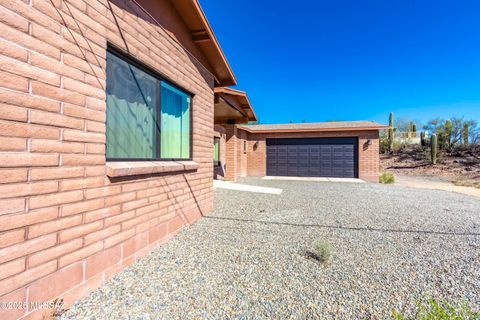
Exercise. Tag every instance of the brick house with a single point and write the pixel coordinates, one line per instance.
(106, 126)
(328, 149)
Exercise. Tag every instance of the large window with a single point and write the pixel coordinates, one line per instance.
(147, 117)
(216, 151)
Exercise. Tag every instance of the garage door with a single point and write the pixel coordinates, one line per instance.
(313, 157)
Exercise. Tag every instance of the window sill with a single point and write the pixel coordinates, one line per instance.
(134, 168)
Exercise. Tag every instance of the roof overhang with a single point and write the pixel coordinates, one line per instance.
(231, 104)
(203, 36)
(287, 130)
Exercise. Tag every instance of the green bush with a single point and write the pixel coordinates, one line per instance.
(431, 309)
(322, 251)
(387, 178)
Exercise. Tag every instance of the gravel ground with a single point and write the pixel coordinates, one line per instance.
(247, 260)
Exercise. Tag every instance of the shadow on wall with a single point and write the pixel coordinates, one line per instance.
(157, 20)
(219, 171)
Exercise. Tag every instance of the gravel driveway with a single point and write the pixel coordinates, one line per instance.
(246, 260)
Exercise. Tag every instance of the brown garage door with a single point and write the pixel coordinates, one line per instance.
(313, 157)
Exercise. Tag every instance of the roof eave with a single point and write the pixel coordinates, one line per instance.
(312, 129)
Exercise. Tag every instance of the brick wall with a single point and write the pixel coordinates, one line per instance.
(65, 227)
(369, 159)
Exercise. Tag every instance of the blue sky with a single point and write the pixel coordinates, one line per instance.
(353, 60)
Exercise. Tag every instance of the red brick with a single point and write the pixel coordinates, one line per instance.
(11, 268)
(70, 297)
(82, 136)
(135, 186)
(53, 226)
(102, 213)
(25, 10)
(93, 148)
(157, 232)
(12, 206)
(84, 88)
(133, 222)
(12, 51)
(123, 197)
(27, 247)
(13, 175)
(14, 82)
(54, 252)
(101, 261)
(102, 234)
(113, 240)
(82, 160)
(50, 146)
(28, 42)
(11, 237)
(94, 126)
(45, 90)
(9, 112)
(83, 65)
(96, 104)
(26, 130)
(26, 189)
(54, 119)
(55, 284)
(84, 113)
(82, 183)
(55, 66)
(56, 173)
(18, 296)
(15, 159)
(83, 206)
(95, 171)
(13, 20)
(54, 39)
(103, 192)
(26, 70)
(79, 231)
(55, 199)
(80, 254)
(13, 144)
(119, 218)
(28, 101)
(134, 244)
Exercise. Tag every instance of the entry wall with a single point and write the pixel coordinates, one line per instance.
(368, 158)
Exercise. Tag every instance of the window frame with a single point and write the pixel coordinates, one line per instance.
(128, 58)
(218, 162)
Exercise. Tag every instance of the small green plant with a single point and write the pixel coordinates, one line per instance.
(321, 251)
(431, 309)
(434, 148)
(387, 178)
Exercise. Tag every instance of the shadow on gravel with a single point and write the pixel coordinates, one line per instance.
(345, 228)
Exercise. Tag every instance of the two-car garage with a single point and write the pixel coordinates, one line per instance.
(313, 157)
(337, 149)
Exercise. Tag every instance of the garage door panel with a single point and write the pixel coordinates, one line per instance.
(315, 157)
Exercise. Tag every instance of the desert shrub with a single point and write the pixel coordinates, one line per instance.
(321, 251)
(431, 309)
(387, 178)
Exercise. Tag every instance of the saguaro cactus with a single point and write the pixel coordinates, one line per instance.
(448, 133)
(434, 148)
(423, 141)
(390, 132)
(465, 134)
